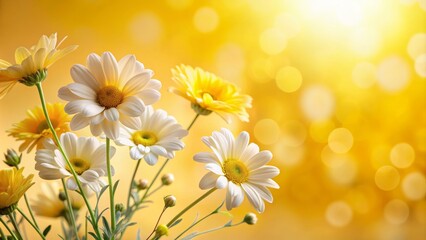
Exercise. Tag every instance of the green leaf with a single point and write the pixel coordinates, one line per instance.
(138, 235)
(228, 224)
(115, 186)
(190, 236)
(93, 235)
(106, 226)
(176, 222)
(47, 230)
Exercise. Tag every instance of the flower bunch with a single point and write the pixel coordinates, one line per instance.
(115, 99)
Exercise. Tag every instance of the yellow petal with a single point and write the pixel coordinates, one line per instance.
(58, 55)
(39, 58)
(4, 64)
(6, 87)
(21, 54)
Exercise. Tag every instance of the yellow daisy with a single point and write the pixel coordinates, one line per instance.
(12, 186)
(209, 93)
(34, 129)
(31, 64)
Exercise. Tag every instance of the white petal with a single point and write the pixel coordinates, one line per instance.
(82, 91)
(126, 66)
(112, 114)
(97, 119)
(221, 182)
(74, 107)
(78, 122)
(91, 109)
(253, 197)
(259, 159)
(251, 150)
(130, 122)
(111, 129)
(90, 175)
(159, 150)
(110, 67)
(132, 106)
(124, 142)
(267, 183)
(95, 67)
(151, 159)
(263, 192)
(71, 184)
(149, 96)
(264, 172)
(240, 144)
(215, 168)
(96, 129)
(80, 74)
(69, 143)
(135, 154)
(65, 94)
(208, 181)
(137, 83)
(206, 157)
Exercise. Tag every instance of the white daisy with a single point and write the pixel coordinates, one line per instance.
(238, 166)
(49, 204)
(86, 154)
(107, 92)
(158, 135)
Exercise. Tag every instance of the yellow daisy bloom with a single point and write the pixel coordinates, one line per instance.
(31, 64)
(34, 129)
(209, 93)
(12, 186)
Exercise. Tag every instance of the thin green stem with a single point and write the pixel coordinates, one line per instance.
(195, 223)
(74, 174)
(70, 209)
(31, 223)
(190, 206)
(15, 225)
(193, 121)
(156, 189)
(8, 228)
(215, 229)
(111, 188)
(131, 183)
(156, 224)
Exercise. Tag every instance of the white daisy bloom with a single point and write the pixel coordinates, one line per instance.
(86, 154)
(238, 166)
(158, 135)
(107, 92)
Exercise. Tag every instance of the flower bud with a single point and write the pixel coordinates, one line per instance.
(161, 231)
(142, 184)
(119, 207)
(62, 196)
(167, 179)
(12, 158)
(169, 201)
(250, 218)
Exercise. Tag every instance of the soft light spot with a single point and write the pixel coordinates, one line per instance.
(288, 79)
(273, 41)
(364, 75)
(387, 178)
(146, 28)
(393, 74)
(340, 140)
(293, 133)
(288, 24)
(365, 42)
(348, 12)
(287, 155)
(414, 186)
(422, 4)
(420, 65)
(417, 45)
(343, 170)
(320, 130)
(396, 212)
(267, 131)
(338, 214)
(206, 19)
(317, 103)
(402, 155)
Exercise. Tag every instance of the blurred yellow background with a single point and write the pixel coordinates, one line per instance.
(339, 89)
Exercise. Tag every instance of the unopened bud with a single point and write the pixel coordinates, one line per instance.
(119, 207)
(161, 231)
(142, 184)
(250, 218)
(62, 196)
(167, 179)
(169, 201)
(12, 158)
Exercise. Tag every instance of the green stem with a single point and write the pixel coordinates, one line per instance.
(8, 228)
(215, 229)
(15, 225)
(190, 206)
(31, 223)
(111, 188)
(131, 183)
(195, 223)
(74, 174)
(70, 209)
(193, 121)
(156, 189)
(156, 224)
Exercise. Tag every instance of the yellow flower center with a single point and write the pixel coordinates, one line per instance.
(144, 138)
(235, 171)
(79, 165)
(109, 96)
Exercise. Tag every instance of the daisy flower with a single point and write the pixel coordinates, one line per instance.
(107, 92)
(238, 166)
(86, 155)
(34, 129)
(209, 93)
(31, 64)
(49, 203)
(12, 186)
(158, 135)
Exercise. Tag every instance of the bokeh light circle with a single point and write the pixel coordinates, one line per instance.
(343, 169)
(267, 131)
(340, 140)
(339, 214)
(288, 155)
(273, 41)
(293, 133)
(402, 155)
(317, 103)
(206, 19)
(396, 212)
(393, 74)
(420, 65)
(387, 178)
(414, 186)
(288, 79)
(146, 28)
(364, 75)
(417, 45)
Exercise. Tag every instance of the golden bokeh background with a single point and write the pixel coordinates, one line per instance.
(339, 89)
